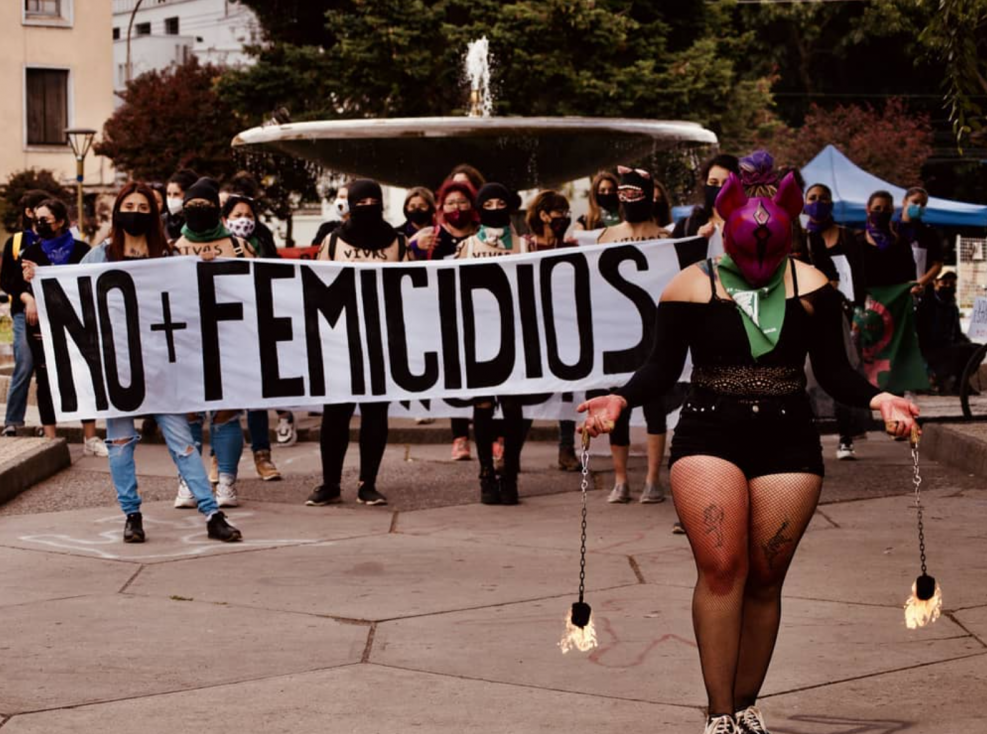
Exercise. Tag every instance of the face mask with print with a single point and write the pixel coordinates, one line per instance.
(342, 207)
(242, 227)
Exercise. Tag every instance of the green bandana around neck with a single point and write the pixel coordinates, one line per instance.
(610, 219)
(219, 232)
(761, 309)
(486, 236)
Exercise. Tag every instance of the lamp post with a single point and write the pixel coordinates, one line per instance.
(81, 140)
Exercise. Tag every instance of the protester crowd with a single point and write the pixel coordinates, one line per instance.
(465, 217)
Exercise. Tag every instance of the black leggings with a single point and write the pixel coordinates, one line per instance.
(334, 439)
(46, 406)
(515, 431)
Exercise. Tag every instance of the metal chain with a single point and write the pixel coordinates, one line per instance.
(917, 481)
(584, 458)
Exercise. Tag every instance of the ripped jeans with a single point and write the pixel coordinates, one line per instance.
(121, 441)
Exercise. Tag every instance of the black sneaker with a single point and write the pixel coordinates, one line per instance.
(219, 529)
(323, 496)
(489, 488)
(133, 530)
(508, 491)
(367, 494)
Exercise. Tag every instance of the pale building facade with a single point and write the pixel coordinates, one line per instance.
(56, 71)
(166, 32)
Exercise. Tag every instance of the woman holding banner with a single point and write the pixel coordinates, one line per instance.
(55, 245)
(746, 458)
(364, 237)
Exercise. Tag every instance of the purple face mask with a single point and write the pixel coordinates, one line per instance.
(757, 232)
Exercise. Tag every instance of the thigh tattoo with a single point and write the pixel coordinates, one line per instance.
(713, 520)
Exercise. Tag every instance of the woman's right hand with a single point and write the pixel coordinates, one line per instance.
(31, 312)
(28, 269)
(424, 239)
(602, 413)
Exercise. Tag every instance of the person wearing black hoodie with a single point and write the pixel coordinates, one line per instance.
(366, 238)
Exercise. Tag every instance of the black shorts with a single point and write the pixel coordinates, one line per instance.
(759, 436)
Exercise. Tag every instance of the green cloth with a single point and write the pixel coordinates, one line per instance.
(220, 232)
(505, 238)
(610, 219)
(888, 340)
(761, 309)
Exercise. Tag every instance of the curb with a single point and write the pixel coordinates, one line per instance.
(30, 467)
(948, 445)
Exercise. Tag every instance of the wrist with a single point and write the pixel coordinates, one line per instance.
(878, 400)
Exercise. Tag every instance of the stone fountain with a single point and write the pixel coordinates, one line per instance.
(521, 152)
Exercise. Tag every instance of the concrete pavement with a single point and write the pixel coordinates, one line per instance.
(437, 614)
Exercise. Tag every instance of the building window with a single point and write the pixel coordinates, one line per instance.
(47, 106)
(171, 26)
(116, 34)
(45, 8)
(143, 29)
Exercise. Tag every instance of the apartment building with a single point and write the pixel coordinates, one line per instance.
(56, 72)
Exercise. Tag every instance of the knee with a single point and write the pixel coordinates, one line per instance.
(723, 573)
(484, 405)
(117, 445)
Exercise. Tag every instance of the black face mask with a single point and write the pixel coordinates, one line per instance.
(637, 211)
(496, 218)
(366, 215)
(420, 217)
(946, 294)
(44, 229)
(710, 193)
(560, 226)
(608, 202)
(136, 224)
(201, 218)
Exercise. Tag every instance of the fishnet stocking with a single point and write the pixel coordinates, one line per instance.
(743, 536)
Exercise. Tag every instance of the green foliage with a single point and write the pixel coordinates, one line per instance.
(18, 184)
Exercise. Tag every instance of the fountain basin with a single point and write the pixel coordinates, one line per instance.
(521, 152)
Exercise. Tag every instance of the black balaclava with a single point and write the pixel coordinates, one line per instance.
(638, 207)
(202, 218)
(366, 227)
(495, 218)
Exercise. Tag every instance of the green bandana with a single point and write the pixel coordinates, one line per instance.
(761, 309)
(220, 232)
(490, 235)
(609, 219)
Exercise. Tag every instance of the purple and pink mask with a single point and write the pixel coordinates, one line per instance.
(757, 232)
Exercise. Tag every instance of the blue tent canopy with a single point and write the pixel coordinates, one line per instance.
(851, 185)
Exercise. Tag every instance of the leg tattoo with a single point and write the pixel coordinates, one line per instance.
(774, 547)
(713, 519)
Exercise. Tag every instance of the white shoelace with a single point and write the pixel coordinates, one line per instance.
(721, 725)
(752, 720)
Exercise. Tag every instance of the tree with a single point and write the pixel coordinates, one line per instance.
(18, 184)
(893, 143)
(172, 119)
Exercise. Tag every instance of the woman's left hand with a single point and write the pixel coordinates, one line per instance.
(28, 269)
(898, 414)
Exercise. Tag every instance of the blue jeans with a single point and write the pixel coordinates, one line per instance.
(178, 435)
(226, 439)
(20, 381)
(259, 425)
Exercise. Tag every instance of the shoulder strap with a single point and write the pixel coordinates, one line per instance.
(18, 240)
(237, 246)
(402, 247)
(795, 278)
(333, 238)
(712, 280)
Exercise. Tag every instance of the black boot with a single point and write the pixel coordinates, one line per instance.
(508, 490)
(219, 529)
(133, 530)
(489, 487)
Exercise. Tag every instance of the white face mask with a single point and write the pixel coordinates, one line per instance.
(343, 207)
(175, 205)
(242, 227)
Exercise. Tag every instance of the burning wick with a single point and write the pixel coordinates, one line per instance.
(925, 604)
(580, 634)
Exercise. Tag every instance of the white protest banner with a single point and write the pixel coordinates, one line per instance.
(978, 320)
(181, 334)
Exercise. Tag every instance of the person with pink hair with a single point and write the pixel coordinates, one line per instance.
(746, 461)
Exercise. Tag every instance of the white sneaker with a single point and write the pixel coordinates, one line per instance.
(750, 721)
(845, 452)
(226, 491)
(721, 725)
(185, 498)
(652, 494)
(286, 433)
(620, 493)
(94, 446)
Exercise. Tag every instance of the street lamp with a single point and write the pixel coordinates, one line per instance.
(81, 140)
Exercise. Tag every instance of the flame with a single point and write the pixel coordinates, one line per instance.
(579, 638)
(919, 613)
